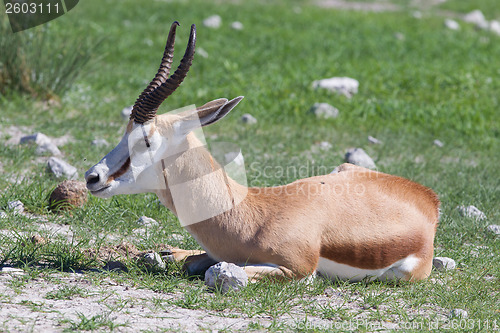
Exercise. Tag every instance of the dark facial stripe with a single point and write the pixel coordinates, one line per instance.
(120, 171)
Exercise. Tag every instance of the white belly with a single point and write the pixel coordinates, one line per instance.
(398, 270)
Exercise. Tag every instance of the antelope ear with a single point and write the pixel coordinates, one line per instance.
(214, 111)
(208, 114)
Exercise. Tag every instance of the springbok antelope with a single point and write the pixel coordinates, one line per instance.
(353, 224)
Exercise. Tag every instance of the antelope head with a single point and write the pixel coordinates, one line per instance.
(132, 166)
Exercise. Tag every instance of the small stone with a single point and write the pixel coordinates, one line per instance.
(451, 24)
(44, 143)
(213, 21)
(67, 195)
(373, 140)
(99, 143)
(438, 143)
(417, 14)
(225, 276)
(359, 157)
(476, 17)
(342, 85)
(39, 240)
(154, 261)
(495, 27)
(443, 263)
(11, 271)
(333, 292)
(325, 145)
(126, 112)
(437, 281)
(147, 221)
(458, 313)
(324, 111)
(399, 36)
(48, 147)
(237, 25)
(16, 206)
(471, 212)
(61, 168)
(177, 237)
(201, 52)
(37, 138)
(247, 118)
(494, 228)
(3, 215)
(116, 266)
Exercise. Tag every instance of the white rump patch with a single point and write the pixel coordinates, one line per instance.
(398, 270)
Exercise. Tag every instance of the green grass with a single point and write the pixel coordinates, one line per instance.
(41, 62)
(433, 84)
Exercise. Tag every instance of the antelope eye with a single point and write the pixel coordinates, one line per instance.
(140, 147)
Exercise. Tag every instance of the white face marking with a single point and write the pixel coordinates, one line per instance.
(398, 270)
(146, 150)
(128, 168)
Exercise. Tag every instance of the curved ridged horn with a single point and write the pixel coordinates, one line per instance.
(162, 86)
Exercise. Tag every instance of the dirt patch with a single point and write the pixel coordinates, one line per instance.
(108, 305)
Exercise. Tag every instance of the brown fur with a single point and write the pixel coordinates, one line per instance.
(120, 171)
(357, 217)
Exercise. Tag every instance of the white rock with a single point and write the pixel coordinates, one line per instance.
(177, 237)
(11, 271)
(342, 85)
(126, 112)
(443, 263)
(37, 138)
(399, 36)
(373, 140)
(147, 221)
(476, 17)
(99, 143)
(495, 27)
(458, 313)
(154, 260)
(247, 118)
(451, 24)
(61, 168)
(16, 206)
(325, 145)
(201, 52)
(494, 228)
(44, 143)
(48, 147)
(359, 157)
(225, 276)
(213, 21)
(3, 215)
(472, 212)
(417, 15)
(324, 111)
(438, 143)
(237, 25)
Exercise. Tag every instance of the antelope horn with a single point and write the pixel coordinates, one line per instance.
(162, 86)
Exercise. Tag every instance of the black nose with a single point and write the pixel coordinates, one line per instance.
(93, 178)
